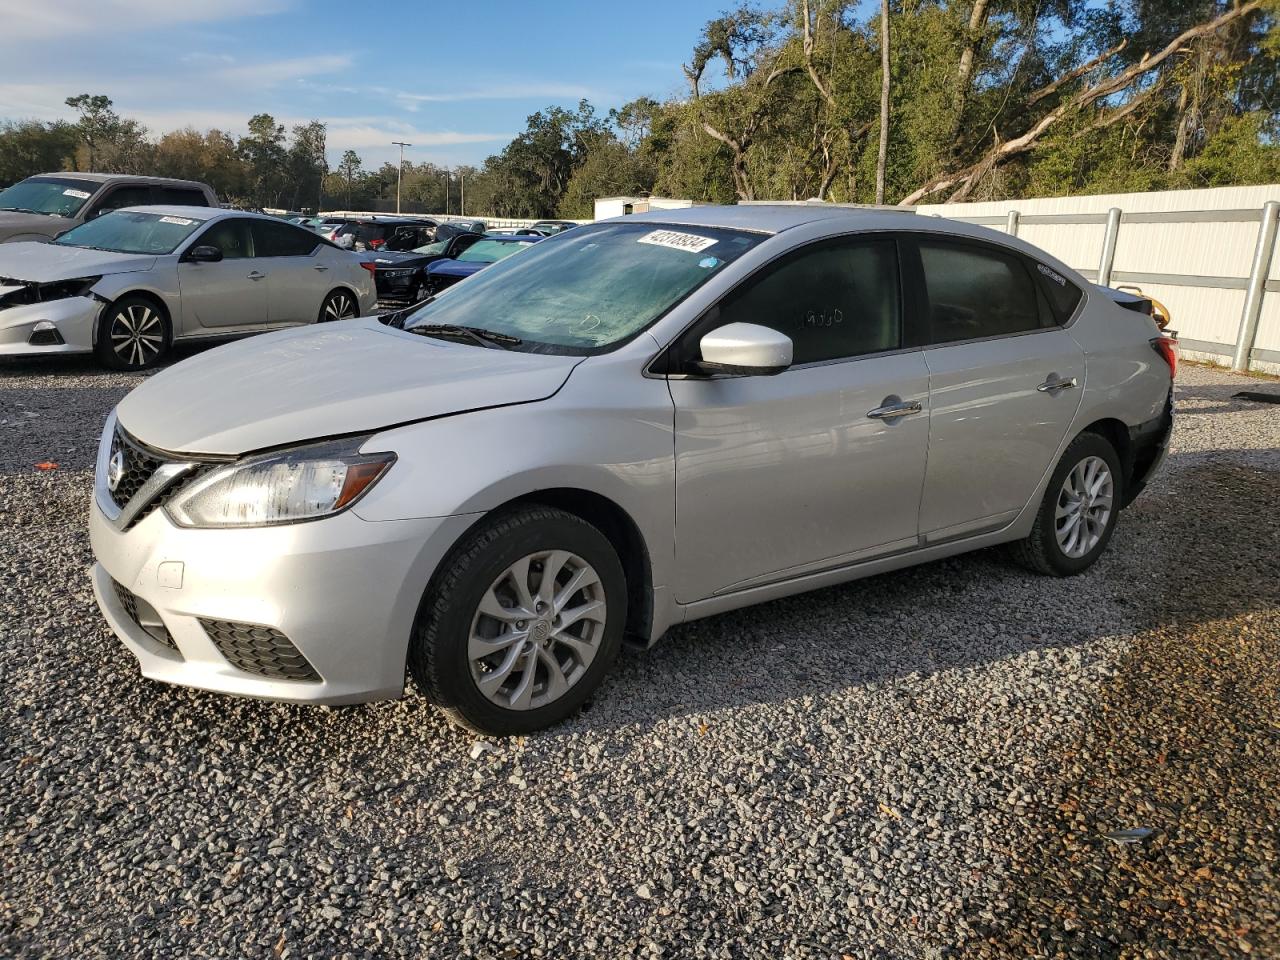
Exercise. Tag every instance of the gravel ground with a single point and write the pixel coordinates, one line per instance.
(906, 767)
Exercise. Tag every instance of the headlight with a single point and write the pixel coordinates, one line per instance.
(305, 483)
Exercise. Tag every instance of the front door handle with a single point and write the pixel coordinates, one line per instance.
(899, 408)
(321, 267)
(1054, 383)
(257, 276)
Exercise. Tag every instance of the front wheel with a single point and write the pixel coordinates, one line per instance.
(522, 623)
(133, 334)
(1079, 511)
(339, 305)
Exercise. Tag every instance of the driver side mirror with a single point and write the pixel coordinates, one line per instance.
(744, 350)
(204, 253)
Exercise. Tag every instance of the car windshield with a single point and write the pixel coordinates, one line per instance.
(589, 289)
(54, 196)
(131, 231)
(438, 247)
(489, 251)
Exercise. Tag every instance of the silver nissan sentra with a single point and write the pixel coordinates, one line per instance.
(630, 425)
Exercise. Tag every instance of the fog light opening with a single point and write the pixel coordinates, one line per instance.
(45, 334)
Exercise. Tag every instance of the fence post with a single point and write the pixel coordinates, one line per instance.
(1109, 247)
(1257, 288)
(1011, 227)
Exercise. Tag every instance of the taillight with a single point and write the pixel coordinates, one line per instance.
(375, 244)
(371, 267)
(1167, 347)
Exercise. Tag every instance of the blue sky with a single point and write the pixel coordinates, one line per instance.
(455, 79)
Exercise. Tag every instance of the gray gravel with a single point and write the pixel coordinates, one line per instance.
(872, 771)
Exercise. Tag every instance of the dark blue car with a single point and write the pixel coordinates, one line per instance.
(489, 249)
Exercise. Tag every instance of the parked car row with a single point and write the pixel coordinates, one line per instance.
(113, 265)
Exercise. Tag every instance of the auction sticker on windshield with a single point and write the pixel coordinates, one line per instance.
(78, 194)
(180, 221)
(689, 242)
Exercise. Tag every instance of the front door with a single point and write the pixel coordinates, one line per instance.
(784, 475)
(227, 294)
(1005, 385)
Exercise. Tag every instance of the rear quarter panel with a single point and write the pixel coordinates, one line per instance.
(1125, 378)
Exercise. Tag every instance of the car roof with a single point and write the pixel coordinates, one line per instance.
(199, 213)
(511, 237)
(774, 218)
(104, 177)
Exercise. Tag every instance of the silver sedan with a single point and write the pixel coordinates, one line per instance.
(131, 283)
(630, 425)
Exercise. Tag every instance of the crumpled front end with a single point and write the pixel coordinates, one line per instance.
(47, 317)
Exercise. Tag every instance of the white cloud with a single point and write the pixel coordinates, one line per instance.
(40, 19)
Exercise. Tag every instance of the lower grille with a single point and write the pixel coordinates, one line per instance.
(259, 650)
(142, 613)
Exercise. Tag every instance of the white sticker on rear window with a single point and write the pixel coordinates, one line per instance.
(688, 242)
(180, 221)
(1056, 278)
(78, 194)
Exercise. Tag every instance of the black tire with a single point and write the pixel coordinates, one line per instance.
(1041, 551)
(340, 304)
(133, 334)
(438, 650)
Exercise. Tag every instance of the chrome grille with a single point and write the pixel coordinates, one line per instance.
(138, 464)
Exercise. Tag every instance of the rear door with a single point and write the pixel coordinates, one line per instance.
(782, 475)
(296, 280)
(1005, 382)
(227, 294)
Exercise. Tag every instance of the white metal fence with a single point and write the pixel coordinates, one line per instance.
(1208, 255)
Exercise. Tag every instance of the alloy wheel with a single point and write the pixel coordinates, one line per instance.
(1084, 507)
(339, 307)
(536, 630)
(137, 334)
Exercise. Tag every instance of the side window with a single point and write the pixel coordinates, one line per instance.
(272, 239)
(231, 236)
(181, 196)
(128, 196)
(976, 292)
(463, 241)
(1063, 295)
(833, 300)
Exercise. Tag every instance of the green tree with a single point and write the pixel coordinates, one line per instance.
(264, 153)
(28, 147)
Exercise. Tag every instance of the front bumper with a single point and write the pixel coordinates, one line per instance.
(343, 591)
(74, 319)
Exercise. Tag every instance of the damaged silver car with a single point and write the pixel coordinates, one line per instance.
(128, 285)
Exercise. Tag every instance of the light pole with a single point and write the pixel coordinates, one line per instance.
(399, 169)
(446, 191)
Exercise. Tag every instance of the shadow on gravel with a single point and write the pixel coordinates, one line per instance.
(1185, 741)
(86, 365)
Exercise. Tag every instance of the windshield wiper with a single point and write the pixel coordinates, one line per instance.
(27, 210)
(486, 338)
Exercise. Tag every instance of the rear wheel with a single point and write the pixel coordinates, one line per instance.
(133, 334)
(522, 624)
(338, 305)
(1079, 511)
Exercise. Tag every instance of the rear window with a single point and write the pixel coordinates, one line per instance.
(181, 197)
(1063, 295)
(977, 292)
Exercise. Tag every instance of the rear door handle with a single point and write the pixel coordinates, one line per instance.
(257, 276)
(891, 411)
(1055, 383)
(321, 267)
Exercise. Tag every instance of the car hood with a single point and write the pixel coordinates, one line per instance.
(456, 268)
(46, 262)
(394, 259)
(14, 222)
(338, 379)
